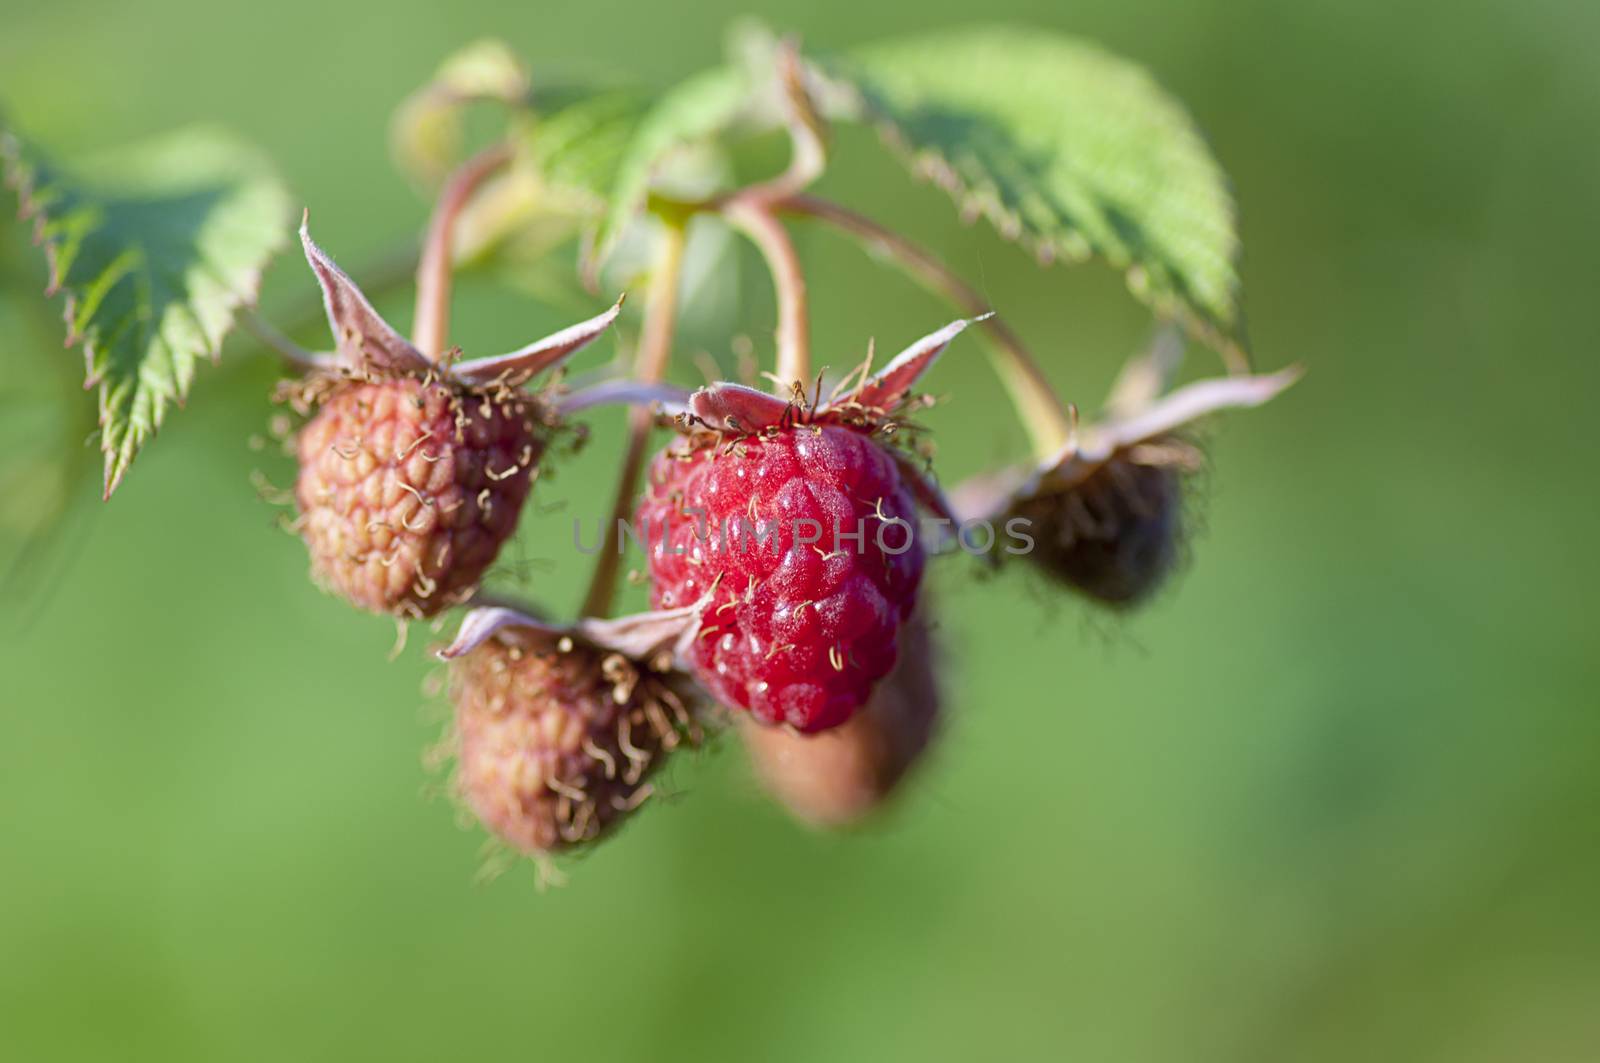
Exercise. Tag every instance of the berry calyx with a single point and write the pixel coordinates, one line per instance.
(1104, 513)
(796, 525)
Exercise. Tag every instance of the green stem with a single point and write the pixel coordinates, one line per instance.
(650, 365)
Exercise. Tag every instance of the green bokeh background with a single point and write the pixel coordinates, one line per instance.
(1335, 797)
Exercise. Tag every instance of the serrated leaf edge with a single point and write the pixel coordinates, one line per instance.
(118, 457)
(932, 165)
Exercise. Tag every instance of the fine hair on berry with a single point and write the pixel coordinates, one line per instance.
(409, 486)
(556, 739)
(1115, 536)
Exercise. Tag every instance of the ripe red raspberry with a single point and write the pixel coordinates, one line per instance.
(800, 526)
(556, 738)
(839, 777)
(796, 631)
(413, 473)
(407, 488)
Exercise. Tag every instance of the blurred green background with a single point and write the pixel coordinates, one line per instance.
(1335, 797)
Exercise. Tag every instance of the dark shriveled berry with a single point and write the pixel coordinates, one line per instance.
(1113, 536)
(556, 740)
(409, 486)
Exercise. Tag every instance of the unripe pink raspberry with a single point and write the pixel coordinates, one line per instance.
(414, 473)
(795, 525)
(839, 777)
(556, 737)
(407, 488)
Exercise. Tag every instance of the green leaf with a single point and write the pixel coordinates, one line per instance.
(1066, 148)
(694, 112)
(156, 248)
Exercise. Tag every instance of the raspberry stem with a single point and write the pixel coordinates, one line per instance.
(434, 269)
(756, 219)
(751, 211)
(650, 365)
(1048, 422)
(808, 149)
(279, 342)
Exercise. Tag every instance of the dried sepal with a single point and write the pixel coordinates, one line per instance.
(365, 343)
(1147, 375)
(1162, 417)
(516, 367)
(886, 390)
(923, 486)
(644, 636)
(737, 409)
(362, 338)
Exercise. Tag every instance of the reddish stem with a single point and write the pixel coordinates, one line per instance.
(1046, 419)
(650, 365)
(434, 271)
(755, 218)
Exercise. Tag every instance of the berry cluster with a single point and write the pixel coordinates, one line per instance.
(785, 562)
(789, 534)
(785, 540)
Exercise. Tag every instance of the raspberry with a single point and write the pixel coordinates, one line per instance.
(407, 489)
(556, 738)
(797, 632)
(796, 527)
(1105, 511)
(1115, 535)
(413, 473)
(837, 778)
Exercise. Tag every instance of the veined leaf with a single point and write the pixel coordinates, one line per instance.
(1071, 150)
(155, 248)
